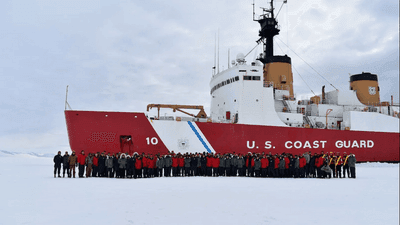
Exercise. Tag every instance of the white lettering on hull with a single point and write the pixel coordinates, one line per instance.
(355, 144)
(268, 145)
(318, 144)
(306, 144)
(252, 146)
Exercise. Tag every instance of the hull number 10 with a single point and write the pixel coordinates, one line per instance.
(152, 141)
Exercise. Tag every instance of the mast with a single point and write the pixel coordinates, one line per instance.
(277, 68)
(269, 28)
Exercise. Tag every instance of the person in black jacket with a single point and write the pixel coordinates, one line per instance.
(250, 169)
(352, 164)
(116, 166)
(291, 165)
(193, 165)
(130, 167)
(312, 165)
(271, 166)
(102, 165)
(187, 164)
(228, 165)
(65, 164)
(57, 163)
(203, 162)
(221, 167)
(167, 165)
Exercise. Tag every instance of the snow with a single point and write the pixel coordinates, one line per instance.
(30, 195)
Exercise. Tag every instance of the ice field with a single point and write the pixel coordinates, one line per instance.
(30, 195)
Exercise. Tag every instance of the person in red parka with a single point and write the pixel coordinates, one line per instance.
(250, 168)
(81, 162)
(95, 165)
(215, 165)
(287, 162)
(319, 163)
(181, 164)
(138, 166)
(145, 165)
(276, 166)
(316, 160)
(302, 165)
(264, 166)
(209, 164)
(150, 166)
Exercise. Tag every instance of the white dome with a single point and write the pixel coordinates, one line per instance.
(240, 57)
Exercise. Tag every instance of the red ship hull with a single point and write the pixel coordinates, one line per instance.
(101, 131)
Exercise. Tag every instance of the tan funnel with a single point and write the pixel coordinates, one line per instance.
(366, 87)
(278, 71)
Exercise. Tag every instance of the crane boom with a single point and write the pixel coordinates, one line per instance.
(201, 114)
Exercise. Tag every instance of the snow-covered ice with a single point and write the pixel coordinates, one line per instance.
(30, 195)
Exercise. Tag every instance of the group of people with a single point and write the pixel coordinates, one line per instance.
(123, 165)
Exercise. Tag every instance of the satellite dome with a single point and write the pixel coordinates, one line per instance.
(240, 58)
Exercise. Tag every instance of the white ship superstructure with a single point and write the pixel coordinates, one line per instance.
(241, 95)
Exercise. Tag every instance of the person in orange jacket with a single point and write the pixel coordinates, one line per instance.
(345, 165)
(339, 163)
(332, 163)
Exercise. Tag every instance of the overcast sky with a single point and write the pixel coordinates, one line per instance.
(123, 55)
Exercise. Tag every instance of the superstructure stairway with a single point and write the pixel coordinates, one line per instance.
(287, 106)
(308, 121)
